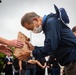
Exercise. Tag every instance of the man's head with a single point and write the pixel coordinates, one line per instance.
(32, 21)
(74, 30)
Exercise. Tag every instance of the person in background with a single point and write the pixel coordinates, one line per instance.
(22, 64)
(16, 66)
(8, 65)
(49, 66)
(40, 66)
(55, 67)
(13, 43)
(30, 66)
(74, 30)
(35, 66)
(19, 67)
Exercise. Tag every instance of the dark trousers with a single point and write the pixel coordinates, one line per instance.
(40, 72)
(17, 73)
(70, 69)
(55, 71)
(30, 72)
(9, 73)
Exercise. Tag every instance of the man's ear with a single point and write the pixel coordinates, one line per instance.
(35, 19)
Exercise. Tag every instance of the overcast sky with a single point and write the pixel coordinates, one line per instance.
(11, 12)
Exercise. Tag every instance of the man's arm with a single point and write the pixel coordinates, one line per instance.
(6, 50)
(14, 43)
(3, 41)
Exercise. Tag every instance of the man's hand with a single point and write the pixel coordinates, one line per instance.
(24, 54)
(5, 50)
(15, 43)
(30, 46)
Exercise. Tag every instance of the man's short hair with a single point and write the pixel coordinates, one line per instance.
(28, 18)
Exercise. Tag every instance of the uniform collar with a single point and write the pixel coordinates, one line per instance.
(44, 18)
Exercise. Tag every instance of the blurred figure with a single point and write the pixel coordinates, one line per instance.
(16, 66)
(30, 66)
(22, 65)
(74, 30)
(8, 65)
(48, 65)
(40, 66)
(55, 68)
(19, 67)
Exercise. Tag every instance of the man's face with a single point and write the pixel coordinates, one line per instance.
(29, 26)
(36, 26)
